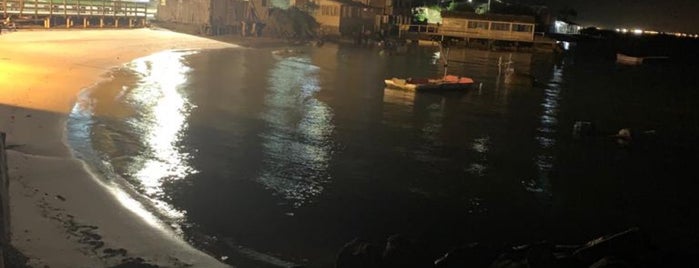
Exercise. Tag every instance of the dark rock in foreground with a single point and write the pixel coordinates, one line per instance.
(629, 248)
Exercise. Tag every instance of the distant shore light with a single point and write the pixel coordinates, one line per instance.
(637, 31)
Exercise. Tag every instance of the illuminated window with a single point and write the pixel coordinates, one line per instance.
(478, 25)
(496, 26)
(328, 10)
(522, 28)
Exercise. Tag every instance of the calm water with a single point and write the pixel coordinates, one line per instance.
(295, 156)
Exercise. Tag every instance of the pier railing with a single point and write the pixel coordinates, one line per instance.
(37, 10)
(438, 30)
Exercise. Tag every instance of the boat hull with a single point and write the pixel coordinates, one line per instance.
(428, 87)
(625, 59)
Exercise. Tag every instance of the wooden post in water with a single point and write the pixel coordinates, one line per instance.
(47, 23)
(85, 22)
(145, 14)
(104, 8)
(78, 11)
(4, 7)
(36, 9)
(4, 199)
(21, 7)
(114, 15)
(128, 12)
(65, 13)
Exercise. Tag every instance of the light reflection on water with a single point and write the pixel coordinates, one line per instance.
(322, 137)
(164, 110)
(546, 136)
(153, 107)
(297, 143)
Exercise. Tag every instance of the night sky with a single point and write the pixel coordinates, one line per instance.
(658, 15)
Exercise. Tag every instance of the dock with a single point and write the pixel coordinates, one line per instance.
(435, 32)
(75, 13)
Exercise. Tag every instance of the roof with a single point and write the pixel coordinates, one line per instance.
(567, 21)
(347, 3)
(489, 17)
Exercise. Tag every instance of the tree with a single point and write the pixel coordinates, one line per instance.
(292, 23)
(567, 13)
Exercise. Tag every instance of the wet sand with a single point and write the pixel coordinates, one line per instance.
(61, 214)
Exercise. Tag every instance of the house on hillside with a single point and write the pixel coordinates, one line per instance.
(341, 18)
(392, 11)
(213, 16)
(563, 26)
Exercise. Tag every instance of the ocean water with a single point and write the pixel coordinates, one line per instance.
(286, 158)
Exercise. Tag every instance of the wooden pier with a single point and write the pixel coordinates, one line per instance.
(438, 33)
(489, 29)
(75, 13)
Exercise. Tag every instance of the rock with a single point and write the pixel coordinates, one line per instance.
(610, 262)
(583, 129)
(623, 137)
(359, 253)
(471, 255)
(629, 245)
(404, 253)
(541, 255)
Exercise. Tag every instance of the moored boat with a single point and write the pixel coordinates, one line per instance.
(626, 59)
(447, 83)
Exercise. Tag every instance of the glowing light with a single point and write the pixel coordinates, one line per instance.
(637, 31)
(624, 30)
(566, 45)
(164, 111)
(296, 144)
(618, 30)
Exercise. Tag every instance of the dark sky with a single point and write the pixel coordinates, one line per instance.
(659, 15)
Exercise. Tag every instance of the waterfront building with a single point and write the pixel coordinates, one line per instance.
(214, 16)
(487, 26)
(563, 26)
(341, 18)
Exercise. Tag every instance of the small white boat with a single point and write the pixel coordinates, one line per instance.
(287, 52)
(447, 83)
(626, 59)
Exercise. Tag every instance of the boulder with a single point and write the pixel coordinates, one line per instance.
(359, 253)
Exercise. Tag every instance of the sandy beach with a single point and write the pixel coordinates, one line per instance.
(61, 214)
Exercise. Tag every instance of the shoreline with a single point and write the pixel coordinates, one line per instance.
(61, 214)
